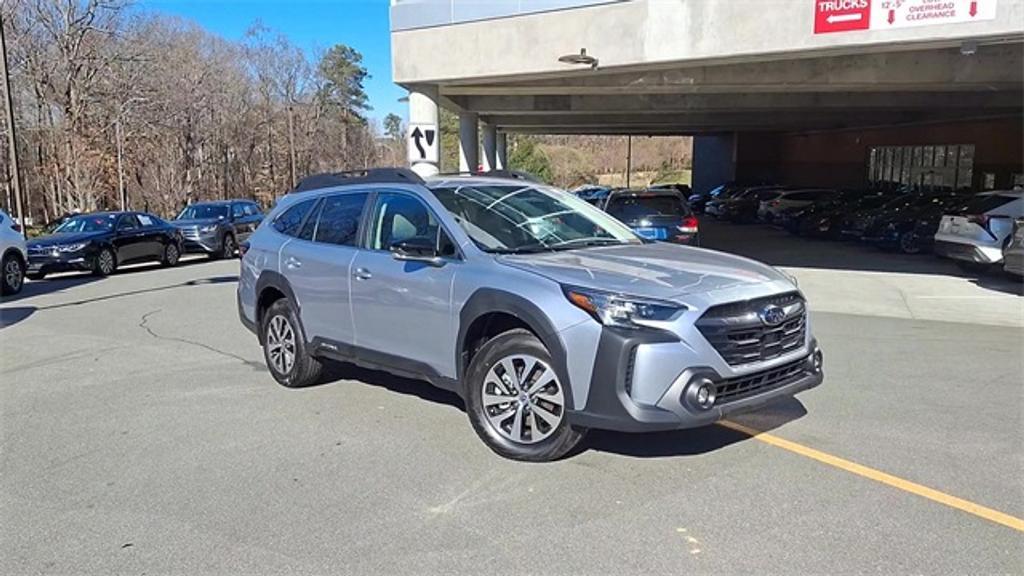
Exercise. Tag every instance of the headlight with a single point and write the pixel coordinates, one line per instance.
(71, 247)
(208, 229)
(618, 310)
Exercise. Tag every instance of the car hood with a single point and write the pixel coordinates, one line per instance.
(188, 223)
(657, 270)
(64, 238)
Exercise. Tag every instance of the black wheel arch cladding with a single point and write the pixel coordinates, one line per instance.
(490, 300)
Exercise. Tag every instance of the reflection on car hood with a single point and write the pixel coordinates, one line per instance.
(188, 223)
(64, 238)
(652, 270)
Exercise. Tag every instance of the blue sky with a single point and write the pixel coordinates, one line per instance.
(362, 24)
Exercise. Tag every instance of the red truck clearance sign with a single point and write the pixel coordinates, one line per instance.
(849, 15)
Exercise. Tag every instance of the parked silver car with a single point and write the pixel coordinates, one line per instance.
(14, 257)
(1013, 254)
(545, 314)
(977, 236)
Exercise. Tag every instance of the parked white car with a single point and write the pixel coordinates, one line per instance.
(769, 210)
(12, 246)
(978, 235)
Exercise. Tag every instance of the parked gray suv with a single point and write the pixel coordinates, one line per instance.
(546, 315)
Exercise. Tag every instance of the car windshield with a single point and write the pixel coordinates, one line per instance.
(522, 219)
(89, 223)
(632, 207)
(203, 212)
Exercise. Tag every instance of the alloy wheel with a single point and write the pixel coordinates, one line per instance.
(106, 262)
(12, 274)
(281, 344)
(172, 254)
(523, 399)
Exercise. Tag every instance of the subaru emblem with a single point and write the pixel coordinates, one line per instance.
(772, 315)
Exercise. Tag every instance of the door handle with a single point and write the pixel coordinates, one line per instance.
(362, 274)
(293, 263)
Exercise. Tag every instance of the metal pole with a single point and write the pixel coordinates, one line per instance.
(12, 140)
(122, 193)
(629, 158)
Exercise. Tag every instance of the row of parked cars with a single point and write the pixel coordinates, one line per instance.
(100, 242)
(978, 231)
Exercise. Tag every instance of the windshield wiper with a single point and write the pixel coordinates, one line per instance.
(525, 249)
(586, 243)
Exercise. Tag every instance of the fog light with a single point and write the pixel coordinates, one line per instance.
(817, 361)
(705, 396)
(700, 394)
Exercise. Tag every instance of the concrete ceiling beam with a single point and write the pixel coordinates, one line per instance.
(662, 103)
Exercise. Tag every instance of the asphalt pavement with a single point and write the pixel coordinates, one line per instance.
(140, 433)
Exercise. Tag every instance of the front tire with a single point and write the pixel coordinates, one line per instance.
(909, 243)
(228, 247)
(284, 347)
(105, 263)
(516, 402)
(13, 275)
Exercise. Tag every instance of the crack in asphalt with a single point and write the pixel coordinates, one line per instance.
(143, 323)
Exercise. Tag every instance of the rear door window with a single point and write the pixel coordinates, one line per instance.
(339, 219)
(289, 222)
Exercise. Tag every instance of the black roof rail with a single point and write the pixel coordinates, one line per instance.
(368, 176)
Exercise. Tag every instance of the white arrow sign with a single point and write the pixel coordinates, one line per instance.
(422, 143)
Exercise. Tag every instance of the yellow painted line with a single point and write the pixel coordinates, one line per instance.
(879, 476)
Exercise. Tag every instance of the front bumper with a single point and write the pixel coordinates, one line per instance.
(50, 263)
(614, 403)
(1013, 263)
(202, 244)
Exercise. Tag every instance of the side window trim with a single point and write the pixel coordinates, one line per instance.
(312, 209)
(370, 219)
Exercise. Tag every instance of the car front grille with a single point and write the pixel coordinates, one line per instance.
(746, 386)
(739, 335)
(190, 232)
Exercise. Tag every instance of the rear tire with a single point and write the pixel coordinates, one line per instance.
(172, 255)
(533, 424)
(284, 347)
(13, 270)
(105, 263)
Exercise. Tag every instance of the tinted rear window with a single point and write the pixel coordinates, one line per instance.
(289, 221)
(986, 202)
(637, 207)
(339, 219)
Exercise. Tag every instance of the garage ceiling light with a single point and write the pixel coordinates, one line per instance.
(581, 58)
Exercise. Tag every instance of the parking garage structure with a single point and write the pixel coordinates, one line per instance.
(802, 92)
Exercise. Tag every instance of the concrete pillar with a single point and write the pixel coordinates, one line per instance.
(501, 152)
(714, 161)
(423, 110)
(469, 142)
(490, 137)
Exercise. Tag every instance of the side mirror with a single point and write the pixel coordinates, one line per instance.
(416, 249)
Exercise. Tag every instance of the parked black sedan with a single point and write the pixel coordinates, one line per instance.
(911, 229)
(824, 219)
(99, 242)
(217, 228)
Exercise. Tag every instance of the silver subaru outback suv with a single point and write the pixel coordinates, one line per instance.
(546, 315)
